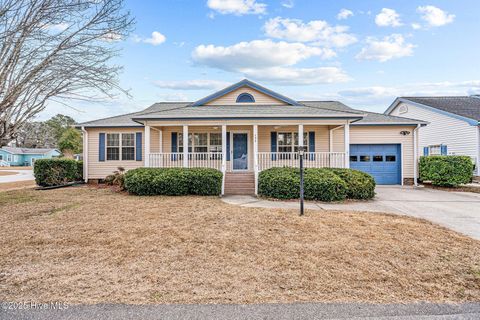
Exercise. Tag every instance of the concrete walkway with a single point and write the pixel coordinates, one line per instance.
(20, 175)
(459, 211)
(254, 311)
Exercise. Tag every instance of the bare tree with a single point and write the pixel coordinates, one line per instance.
(56, 50)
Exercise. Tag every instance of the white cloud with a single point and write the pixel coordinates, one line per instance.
(237, 7)
(256, 54)
(435, 17)
(288, 4)
(317, 31)
(298, 76)
(191, 84)
(390, 47)
(416, 26)
(173, 97)
(388, 18)
(112, 37)
(269, 60)
(415, 89)
(344, 14)
(156, 39)
(58, 27)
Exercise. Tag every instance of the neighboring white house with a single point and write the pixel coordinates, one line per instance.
(453, 124)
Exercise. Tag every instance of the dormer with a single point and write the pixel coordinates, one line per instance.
(245, 92)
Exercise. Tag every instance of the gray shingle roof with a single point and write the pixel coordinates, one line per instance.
(27, 150)
(465, 106)
(259, 111)
(169, 110)
(374, 118)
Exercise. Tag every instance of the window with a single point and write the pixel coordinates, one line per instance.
(435, 150)
(403, 109)
(120, 145)
(9, 157)
(284, 142)
(245, 98)
(353, 158)
(377, 158)
(364, 158)
(390, 158)
(128, 146)
(1, 157)
(215, 142)
(201, 142)
(288, 141)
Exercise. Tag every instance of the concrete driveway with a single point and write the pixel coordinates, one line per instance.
(20, 175)
(459, 211)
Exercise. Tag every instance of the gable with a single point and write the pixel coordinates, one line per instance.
(259, 97)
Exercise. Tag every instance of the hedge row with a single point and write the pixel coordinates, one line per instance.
(173, 181)
(323, 184)
(446, 171)
(57, 171)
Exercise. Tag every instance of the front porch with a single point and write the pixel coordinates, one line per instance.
(246, 148)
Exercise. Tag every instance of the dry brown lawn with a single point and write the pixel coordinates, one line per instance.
(7, 173)
(89, 245)
(6, 186)
(16, 168)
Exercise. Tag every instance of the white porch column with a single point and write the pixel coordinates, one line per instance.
(147, 145)
(255, 155)
(224, 156)
(415, 155)
(346, 136)
(160, 140)
(185, 146)
(300, 135)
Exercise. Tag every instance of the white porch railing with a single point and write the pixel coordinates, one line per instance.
(195, 160)
(268, 160)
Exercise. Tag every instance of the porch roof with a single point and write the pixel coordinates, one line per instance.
(306, 109)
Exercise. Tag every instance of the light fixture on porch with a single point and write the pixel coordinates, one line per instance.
(277, 127)
(215, 128)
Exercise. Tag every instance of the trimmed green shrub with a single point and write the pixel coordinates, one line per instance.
(446, 171)
(79, 170)
(324, 185)
(284, 183)
(173, 181)
(360, 185)
(56, 172)
(280, 183)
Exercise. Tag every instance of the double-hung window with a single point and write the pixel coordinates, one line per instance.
(288, 141)
(201, 142)
(435, 150)
(120, 146)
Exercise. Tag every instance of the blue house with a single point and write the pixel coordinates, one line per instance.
(11, 156)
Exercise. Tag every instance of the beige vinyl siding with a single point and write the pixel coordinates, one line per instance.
(380, 135)
(460, 137)
(231, 98)
(100, 169)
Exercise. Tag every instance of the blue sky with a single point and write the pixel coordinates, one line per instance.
(363, 53)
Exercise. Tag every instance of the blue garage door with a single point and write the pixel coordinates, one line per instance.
(382, 161)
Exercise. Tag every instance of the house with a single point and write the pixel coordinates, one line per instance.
(453, 124)
(246, 128)
(12, 156)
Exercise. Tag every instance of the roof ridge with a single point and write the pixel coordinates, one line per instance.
(331, 109)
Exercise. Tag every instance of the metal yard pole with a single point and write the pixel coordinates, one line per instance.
(301, 152)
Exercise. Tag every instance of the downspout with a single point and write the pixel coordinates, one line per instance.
(330, 147)
(415, 155)
(85, 154)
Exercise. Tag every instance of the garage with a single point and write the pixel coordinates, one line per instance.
(382, 161)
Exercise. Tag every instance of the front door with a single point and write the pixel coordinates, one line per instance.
(240, 151)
